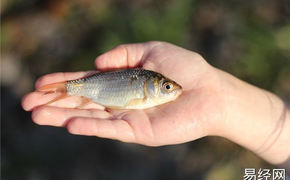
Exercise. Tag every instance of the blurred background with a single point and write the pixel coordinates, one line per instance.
(250, 39)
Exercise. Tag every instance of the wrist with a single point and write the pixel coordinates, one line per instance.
(255, 119)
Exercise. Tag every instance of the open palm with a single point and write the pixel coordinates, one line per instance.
(196, 113)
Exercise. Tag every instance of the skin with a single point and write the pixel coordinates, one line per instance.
(213, 103)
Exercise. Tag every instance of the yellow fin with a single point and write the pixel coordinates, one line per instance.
(135, 102)
(55, 87)
(62, 96)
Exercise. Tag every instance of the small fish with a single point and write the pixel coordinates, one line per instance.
(122, 89)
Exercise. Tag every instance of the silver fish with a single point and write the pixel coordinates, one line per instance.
(124, 89)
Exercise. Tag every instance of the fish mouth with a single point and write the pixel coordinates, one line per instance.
(178, 92)
(177, 89)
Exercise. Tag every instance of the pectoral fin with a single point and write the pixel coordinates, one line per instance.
(135, 103)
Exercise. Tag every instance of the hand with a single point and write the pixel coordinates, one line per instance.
(198, 112)
(212, 103)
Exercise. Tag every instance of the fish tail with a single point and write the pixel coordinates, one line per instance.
(54, 88)
(62, 96)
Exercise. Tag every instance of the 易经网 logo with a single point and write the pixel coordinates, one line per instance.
(264, 174)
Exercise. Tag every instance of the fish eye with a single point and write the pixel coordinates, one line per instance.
(168, 86)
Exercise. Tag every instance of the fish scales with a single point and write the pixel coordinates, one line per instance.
(111, 88)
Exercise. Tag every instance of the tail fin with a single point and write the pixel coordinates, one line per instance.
(52, 88)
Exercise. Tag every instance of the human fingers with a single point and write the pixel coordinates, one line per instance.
(60, 77)
(124, 56)
(35, 99)
(114, 129)
(55, 116)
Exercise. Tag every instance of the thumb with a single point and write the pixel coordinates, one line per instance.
(124, 56)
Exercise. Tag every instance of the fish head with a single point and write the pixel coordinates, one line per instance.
(162, 90)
